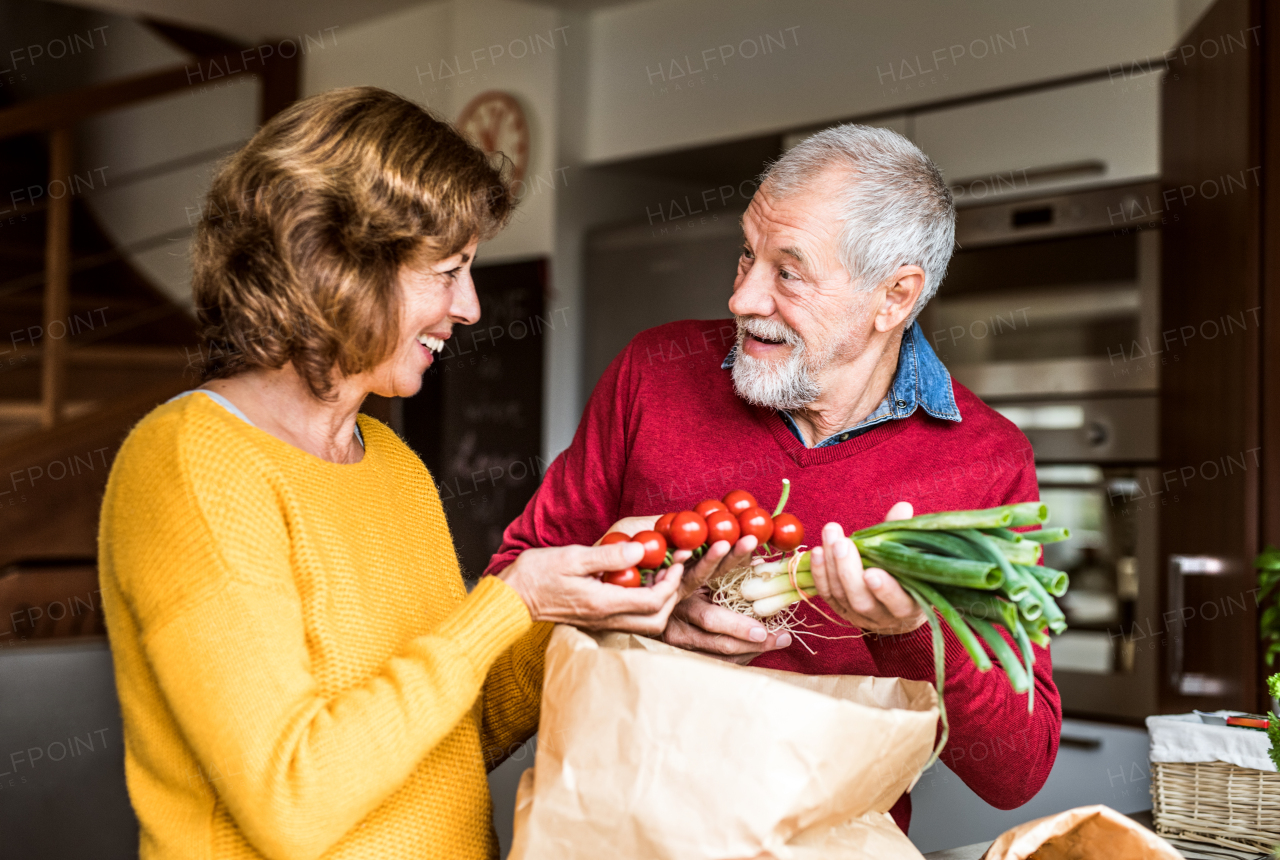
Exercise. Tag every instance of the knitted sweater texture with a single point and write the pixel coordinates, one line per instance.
(301, 670)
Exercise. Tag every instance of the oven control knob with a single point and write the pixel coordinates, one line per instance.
(1096, 433)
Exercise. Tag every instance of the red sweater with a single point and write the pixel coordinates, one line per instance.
(663, 430)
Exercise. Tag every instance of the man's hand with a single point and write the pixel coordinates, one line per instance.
(697, 624)
(870, 599)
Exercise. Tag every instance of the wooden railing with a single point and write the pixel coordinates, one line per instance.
(57, 280)
(56, 116)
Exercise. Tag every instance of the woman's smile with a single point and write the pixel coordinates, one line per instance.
(430, 344)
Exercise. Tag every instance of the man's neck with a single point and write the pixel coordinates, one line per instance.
(851, 391)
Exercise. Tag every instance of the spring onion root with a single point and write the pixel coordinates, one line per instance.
(773, 605)
(758, 588)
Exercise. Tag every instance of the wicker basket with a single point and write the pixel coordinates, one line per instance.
(1216, 802)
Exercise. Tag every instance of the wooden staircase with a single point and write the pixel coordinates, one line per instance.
(112, 332)
(87, 344)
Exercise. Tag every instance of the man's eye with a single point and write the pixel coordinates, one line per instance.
(746, 254)
(452, 274)
(787, 275)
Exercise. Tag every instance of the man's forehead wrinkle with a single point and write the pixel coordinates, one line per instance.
(794, 229)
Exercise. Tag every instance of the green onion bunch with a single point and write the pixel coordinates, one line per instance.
(965, 569)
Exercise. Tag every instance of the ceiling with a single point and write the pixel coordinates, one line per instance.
(251, 20)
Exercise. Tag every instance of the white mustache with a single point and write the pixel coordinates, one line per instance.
(768, 329)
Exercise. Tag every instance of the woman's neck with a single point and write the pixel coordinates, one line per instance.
(279, 402)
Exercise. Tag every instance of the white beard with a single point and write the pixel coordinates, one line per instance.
(785, 385)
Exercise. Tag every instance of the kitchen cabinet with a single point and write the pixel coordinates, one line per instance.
(901, 123)
(1096, 133)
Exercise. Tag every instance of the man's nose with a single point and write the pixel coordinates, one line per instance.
(752, 294)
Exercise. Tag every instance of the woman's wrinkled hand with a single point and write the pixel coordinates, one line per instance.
(558, 584)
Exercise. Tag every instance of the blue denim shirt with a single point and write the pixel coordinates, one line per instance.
(921, 380)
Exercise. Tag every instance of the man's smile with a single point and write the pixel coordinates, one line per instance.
(763, 347)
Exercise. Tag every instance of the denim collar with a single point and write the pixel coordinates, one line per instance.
(921, 380)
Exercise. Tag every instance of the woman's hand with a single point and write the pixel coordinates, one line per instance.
(870, 599)
(696, 623)
(557, 584)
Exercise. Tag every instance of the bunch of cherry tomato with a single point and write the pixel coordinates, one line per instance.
(736, 515)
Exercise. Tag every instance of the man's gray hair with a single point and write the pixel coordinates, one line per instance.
(895, 207)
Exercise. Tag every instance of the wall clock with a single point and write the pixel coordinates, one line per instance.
(495, 122)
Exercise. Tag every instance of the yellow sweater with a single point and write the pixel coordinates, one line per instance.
(301, 670)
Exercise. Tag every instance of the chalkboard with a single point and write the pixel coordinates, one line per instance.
(477, 423)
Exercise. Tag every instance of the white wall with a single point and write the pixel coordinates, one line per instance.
(188, 132)
(527, 69)
(1189, 12)
(384, 53)
(444, 54)
(842, 58)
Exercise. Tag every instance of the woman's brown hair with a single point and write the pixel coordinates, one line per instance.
(307, 227)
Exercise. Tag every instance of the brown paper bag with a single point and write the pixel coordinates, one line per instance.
(1084, 833)
(648, 751)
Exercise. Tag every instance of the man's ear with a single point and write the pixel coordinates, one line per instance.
(904, 289)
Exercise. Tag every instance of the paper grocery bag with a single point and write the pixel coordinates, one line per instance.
(648, 751)
(1084, 833)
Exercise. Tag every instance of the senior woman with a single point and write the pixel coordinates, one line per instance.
(301, 670)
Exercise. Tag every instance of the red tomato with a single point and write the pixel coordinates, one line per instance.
(723, 525)
(756, 521)
(655, 549)
(614, 537)
(709, 507)
(629, 578)
(688, 530)
(787, 532)
(738, 501)
(664, 526)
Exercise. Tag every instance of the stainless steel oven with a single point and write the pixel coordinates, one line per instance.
(1049, 313)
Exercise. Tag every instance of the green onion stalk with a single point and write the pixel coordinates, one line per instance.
(967, 570)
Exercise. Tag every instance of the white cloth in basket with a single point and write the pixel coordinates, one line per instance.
(1185, 738)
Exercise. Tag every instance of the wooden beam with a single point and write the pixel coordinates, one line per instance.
(21, 410)
(134, 356)
(65, 109)
(33, 410)
(57, 282)
(116, 356)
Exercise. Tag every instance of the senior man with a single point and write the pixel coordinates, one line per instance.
(828, 382)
